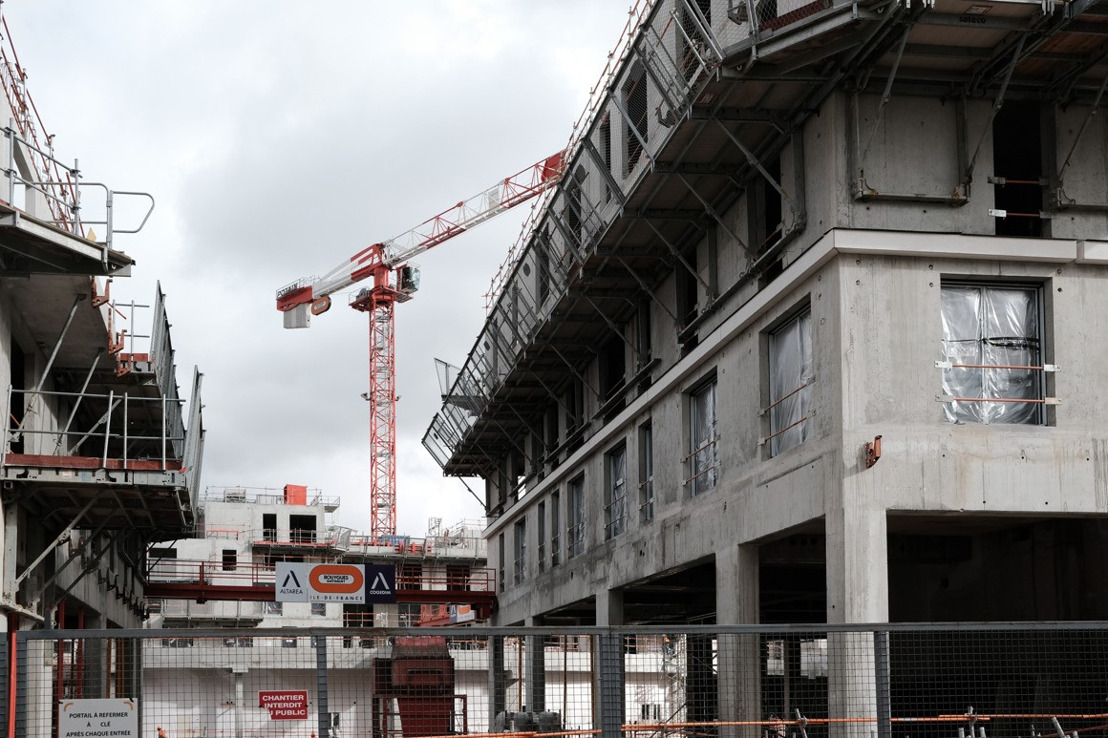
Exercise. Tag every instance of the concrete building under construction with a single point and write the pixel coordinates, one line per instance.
(812, 328)
(101, 454)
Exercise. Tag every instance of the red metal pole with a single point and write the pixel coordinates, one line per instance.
(13, 675)
(80, 655)
(59, 678)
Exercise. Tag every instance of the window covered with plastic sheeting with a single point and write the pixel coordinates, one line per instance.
(704, 457)
(616, 509)
(790, 383)
(520, 569)
(575, 534)
(991, 353)
(555, 528)
(646, 472)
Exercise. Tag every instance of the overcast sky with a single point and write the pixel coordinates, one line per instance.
(278, 138)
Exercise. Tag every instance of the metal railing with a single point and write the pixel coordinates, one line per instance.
(33, 167)
(111, 436)
(261, 574)
(1004, 680)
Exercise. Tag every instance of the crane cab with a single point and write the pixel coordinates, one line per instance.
(407, 278)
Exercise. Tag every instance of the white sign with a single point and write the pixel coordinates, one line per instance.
(320, 582)
(98, 719)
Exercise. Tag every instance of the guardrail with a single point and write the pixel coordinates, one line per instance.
(758, 681)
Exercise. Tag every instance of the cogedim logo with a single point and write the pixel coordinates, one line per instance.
(336, 578)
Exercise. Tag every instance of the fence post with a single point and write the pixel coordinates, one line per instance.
(881, 682)
(610, 687)
(536, 672)
(323, 709)
(5, 683)
(18, 719)
(498, 683)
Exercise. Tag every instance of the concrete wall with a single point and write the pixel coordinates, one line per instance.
(875, 375)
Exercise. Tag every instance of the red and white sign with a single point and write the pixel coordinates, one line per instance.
(284, 705)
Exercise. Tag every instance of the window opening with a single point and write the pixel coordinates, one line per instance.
(457, 577)
(992, 358)
(690, 40)
(269, 526)
(612, 362)
(543, 275)
(1017, 168)
(500, 562)
(537, 453)
(635, 132)
(520, 569)
(409, 576)
(687, 289)
(302, 528)
(643, 341)
(540, 535)
(551, 433)
(790, 383)
(646, 472)
(606, 152)
(767, 223)
(703, 457)
(615, 511)
(555, 528)
(573, 210)
(17, 367)
(575, 543)
(575, 412)
(230, 559)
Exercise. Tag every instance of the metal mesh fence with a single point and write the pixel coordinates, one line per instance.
(897, 682)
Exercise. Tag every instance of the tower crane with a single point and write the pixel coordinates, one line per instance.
(392, 279)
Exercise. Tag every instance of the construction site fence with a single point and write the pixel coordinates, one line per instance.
(998, 680)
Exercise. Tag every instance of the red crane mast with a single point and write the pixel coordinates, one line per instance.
(393, 279)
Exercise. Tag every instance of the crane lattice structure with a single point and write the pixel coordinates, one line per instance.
(393, 279)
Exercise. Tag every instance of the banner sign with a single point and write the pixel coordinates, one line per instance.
(284, 705)
(382, 583)
(297, 582)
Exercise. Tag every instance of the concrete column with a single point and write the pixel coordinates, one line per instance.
(857, 562)
(498, 680)
(8, 551)
(608, 679)
(536, 669)
(609, 607)
(857, 592)
(608, 701)
(737, 603)
(95, 655)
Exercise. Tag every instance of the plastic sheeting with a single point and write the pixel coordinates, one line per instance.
(790, 379)
(704, 460)
(646, 487)
(991, 326)
(575, 545)
(617, 492)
